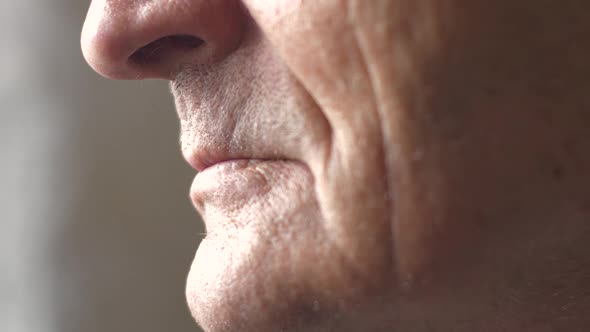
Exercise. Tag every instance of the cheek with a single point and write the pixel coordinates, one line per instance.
(316, 42)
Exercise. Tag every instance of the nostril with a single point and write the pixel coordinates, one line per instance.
(156, 51)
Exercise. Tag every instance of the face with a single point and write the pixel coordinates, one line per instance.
(373, 165)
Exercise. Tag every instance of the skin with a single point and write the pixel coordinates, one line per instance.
(402, 165)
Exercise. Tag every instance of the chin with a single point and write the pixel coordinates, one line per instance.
(270, 264)
(247, 296)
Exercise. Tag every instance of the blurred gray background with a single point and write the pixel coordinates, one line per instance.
(97, 231)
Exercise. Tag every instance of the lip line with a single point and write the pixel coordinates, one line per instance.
(202, 160)
(228, 160)
(199, 162)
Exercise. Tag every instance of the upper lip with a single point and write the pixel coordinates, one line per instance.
(212, 135)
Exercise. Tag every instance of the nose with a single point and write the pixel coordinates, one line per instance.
(137, 39)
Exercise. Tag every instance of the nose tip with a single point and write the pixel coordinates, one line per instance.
(129, 39)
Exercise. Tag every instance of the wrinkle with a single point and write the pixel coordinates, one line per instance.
(372, 73)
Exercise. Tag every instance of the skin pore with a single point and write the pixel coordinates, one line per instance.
(409, 165)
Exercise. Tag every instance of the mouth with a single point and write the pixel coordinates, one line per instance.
(218, 174)
(202, 160)
(239, 156)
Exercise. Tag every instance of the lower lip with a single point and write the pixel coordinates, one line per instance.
(232, 182)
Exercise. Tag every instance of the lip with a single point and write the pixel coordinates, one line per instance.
(203, 160)
(231, 183)
(225, 177)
